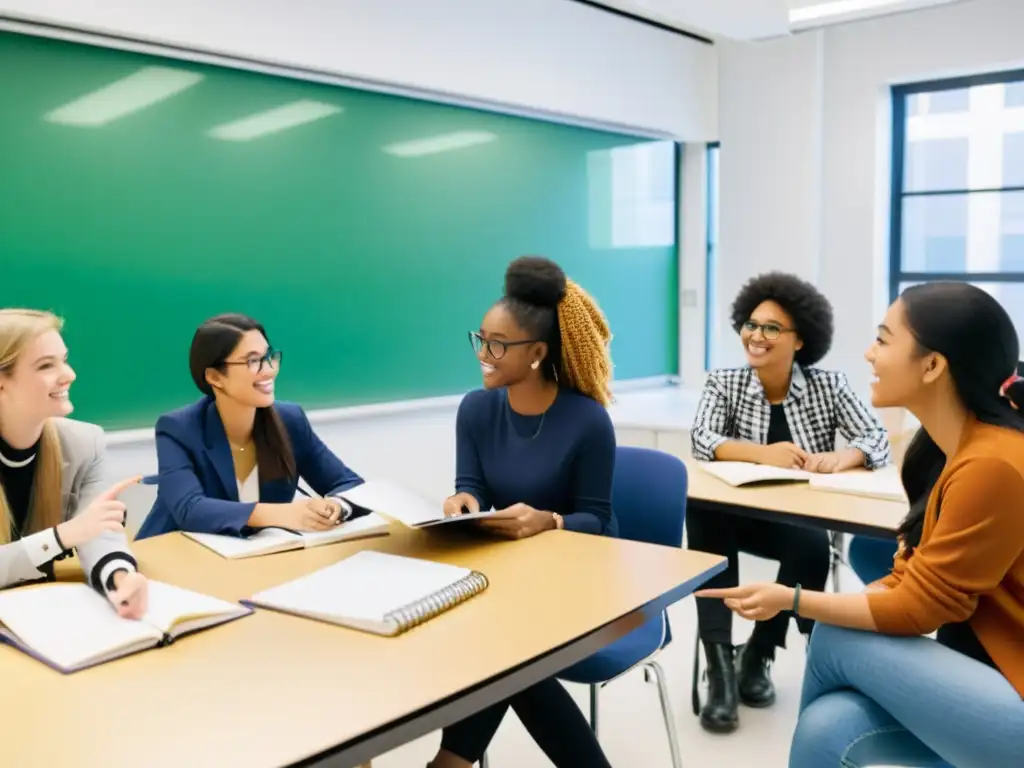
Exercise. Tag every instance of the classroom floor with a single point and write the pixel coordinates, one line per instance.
(631, 726)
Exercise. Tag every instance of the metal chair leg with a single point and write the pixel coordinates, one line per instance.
(695, 693)
(593, 707)
(653, 669)
(836, 543)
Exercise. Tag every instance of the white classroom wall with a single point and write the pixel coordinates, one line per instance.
(805, 130)
(541, 55)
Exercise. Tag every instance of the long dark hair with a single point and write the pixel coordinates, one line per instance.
(974, 333)
(212, 343)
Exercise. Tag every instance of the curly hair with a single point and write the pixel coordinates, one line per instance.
(810, 310)
(556, 310)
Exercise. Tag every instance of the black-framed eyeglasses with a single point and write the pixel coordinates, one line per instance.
(770, 331)
(495, 347)
(271, 358)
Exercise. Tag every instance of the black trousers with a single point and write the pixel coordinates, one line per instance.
(548, 713)
(803, 555)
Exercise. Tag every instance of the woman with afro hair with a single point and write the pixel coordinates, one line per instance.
(778, 410)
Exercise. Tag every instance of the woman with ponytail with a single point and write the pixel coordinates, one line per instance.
(537, 445)
(232, 461)
(876, 690)
(52, 494)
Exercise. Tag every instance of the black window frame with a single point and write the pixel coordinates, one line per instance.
(897, 194)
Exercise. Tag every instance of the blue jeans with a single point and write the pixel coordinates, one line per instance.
(871, 558)
(872, 699)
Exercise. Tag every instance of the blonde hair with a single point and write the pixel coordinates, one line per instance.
(18, 329)
(586, 360)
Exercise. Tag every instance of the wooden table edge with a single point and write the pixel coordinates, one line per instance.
(836, 524)
(462, 704)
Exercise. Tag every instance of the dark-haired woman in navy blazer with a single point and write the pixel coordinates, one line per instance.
(233, 460)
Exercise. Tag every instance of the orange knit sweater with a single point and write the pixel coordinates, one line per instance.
(970, 563)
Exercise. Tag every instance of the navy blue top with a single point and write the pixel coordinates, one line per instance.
(561, 461)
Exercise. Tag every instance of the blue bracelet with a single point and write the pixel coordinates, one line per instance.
(796, 600)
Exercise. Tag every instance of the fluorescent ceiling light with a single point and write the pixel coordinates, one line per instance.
(444, 142)
(828, 11)
(274, 120)
(130, 94)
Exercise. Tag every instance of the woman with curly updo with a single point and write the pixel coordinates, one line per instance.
(537, 445)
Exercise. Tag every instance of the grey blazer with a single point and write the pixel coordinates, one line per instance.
(82, 451)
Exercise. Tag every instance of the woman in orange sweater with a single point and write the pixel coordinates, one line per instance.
(876, 690)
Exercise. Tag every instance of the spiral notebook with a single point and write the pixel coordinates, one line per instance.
(375, 592)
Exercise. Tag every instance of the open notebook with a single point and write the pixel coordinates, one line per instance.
(375, 592)
(883, 483)
(71, 626)
(737, 473)
(267, 541)
(879, 484)
(402, 505)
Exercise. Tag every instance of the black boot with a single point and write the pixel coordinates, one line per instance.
(755, 682)
(719, 714)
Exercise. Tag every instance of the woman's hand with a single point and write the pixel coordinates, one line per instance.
(328, 509)
(757, 602)
(130, 596)
(785, 455)
(304, 515)
(453, 505)
(834, 461)
(520, 521)
(104, 513)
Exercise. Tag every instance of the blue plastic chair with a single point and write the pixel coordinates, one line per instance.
(649, 499)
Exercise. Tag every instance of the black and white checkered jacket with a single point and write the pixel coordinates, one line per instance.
(820, 405)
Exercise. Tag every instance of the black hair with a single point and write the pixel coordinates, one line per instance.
(534, 286)
(974, 333)
(810, 310)
(212, 343)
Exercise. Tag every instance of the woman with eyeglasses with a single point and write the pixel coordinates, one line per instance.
(877, 689)
(536, 444)
(778, 410)
(232, 461)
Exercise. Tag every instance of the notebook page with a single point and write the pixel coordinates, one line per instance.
(365, 587)
(394, 501)
(361, 526)
(235, 546)
(882, 484)
(170, 605)
(70, 624)
(737, 473)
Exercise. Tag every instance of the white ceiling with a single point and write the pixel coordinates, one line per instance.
(745, 19)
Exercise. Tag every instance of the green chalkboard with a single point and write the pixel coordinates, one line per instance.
(368, 232)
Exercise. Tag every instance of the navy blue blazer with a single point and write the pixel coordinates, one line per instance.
(198, 490)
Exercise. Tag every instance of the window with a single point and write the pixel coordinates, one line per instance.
(633, 195)
(958, 185)
(710, 310)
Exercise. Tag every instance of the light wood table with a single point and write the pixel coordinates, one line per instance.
(797, 503)
(272, 689)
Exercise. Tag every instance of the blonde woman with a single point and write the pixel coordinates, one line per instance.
(51, 471)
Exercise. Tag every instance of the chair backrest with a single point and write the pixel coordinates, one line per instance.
(649, 496)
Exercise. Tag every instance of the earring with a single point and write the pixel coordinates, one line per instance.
(535, 364)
